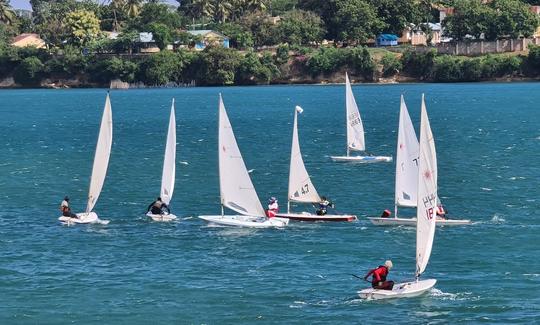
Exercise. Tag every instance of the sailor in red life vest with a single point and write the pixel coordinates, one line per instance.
(273, 207)
(379, 275)
(441, 212)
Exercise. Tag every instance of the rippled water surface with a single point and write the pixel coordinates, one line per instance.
(135, 271)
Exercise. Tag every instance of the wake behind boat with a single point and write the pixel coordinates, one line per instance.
(355, 132)
(406, 185)
(169, 172)
(426, 200)
(412, 222)
(301, 188)
(236, 189)
(99, 170)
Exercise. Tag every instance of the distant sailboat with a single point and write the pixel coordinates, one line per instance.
(407, 174)
(169, 170)
(425, 219)
(99, 170)
(355, 131)
(236, 189)
(301, 188)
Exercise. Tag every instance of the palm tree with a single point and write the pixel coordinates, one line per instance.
(202, 8)
(117, 6)
(7, 15)
(133, 7)
(222, 11)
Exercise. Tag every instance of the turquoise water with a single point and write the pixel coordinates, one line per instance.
(134, 271)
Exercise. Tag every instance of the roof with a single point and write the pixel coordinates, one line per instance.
(23, 36)
(203, 32)
(435, 27)
(388, 37)
(146, 37)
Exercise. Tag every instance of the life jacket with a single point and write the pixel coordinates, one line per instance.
(379, 274)
(440, 211)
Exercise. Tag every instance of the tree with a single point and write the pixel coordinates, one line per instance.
(356, 21)
(29, 71)
(156, 13)
(399, 14)
(7, 15)
(496, 19)
(301, 27)
(162, 34)
(82, 26)
(222, 10)
(50, 20)
(391, 65)
(164, 67)
(239, 36)
(278, 7)
(513, 18)
(252, 71)
(217, 66)
(133, 8)
(263, 31)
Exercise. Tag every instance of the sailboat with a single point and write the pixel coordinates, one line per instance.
(99, 170)
(169, 169)
(407, 174)
(426, 201)
(301, 188)
(236, 189)
(355, 131)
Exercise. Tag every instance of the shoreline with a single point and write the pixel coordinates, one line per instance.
(68, 84)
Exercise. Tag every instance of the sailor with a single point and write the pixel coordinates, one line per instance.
(273, 207)
(441, 212)
(158, 207)
(378, 280)
(386, 214)
(323, 206)
(66, 210)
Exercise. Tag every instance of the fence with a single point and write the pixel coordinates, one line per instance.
(471, 48)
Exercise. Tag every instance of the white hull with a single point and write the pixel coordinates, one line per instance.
(161, 217)
(246, 221)
(412, 222)
(400, 290)
(314, 217)
(361, 159)
(84, 217)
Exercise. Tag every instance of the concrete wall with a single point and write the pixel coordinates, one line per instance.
(471, 48)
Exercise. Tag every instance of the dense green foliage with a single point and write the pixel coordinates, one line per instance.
(267, 49)
(492, 20)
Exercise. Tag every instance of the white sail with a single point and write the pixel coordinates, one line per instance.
(101, 158)
(236, 189)
(300, 187)
(427, 194)
(169, 162)
(355, 128)
(406, 160)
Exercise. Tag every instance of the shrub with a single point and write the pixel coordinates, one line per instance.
(391, 65)
(419, 65)
(29, 72)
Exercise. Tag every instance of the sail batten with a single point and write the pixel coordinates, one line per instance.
(301, 188)
(427, 194)
(101, 157)
(355, 128)
(169, 160)
(407, 152)
(236, 189)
